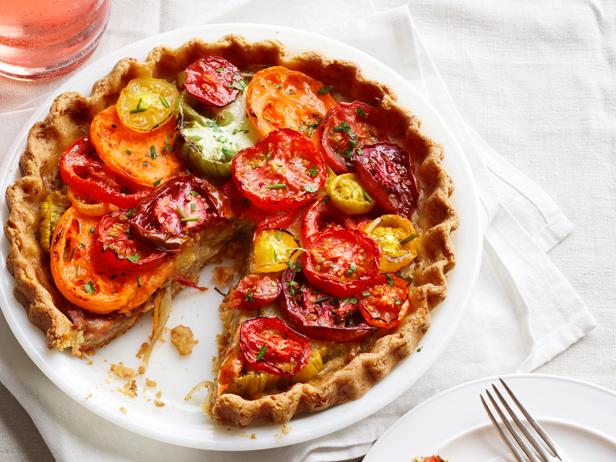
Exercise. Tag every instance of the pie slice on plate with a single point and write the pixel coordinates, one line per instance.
(340, 200)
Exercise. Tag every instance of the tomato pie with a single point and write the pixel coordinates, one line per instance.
(337, 196)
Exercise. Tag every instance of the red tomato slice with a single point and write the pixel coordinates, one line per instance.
(319, 315)
(322, 216)
(255, 291)
(348, 127)
(282, 220)
(114, 247)
(213, 80)
(386, 302)
(176, 210)
(270, 345)
(385, 171)
(91, 179)
(341, 262)
(284, 170)
(241, 206)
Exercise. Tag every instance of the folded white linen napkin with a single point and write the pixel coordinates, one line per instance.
(523, 311)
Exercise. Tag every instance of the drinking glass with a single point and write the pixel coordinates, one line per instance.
(45, 38)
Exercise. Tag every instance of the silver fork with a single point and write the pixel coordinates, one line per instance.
(525, 446)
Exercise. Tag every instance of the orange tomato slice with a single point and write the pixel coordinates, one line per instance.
(80, 283)
(278, 97)
(145, 158)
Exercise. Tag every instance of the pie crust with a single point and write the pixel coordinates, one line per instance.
(70, 117)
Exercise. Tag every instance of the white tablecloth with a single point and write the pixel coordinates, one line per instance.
(537, 82)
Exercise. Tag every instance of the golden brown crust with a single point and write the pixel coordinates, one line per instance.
(69, 119)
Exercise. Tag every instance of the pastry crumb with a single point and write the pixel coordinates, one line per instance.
(142, 350)
(223, 276)
(122, 372)
(123, 410)
(150, 383)
(89, 362)
(253, 436)
(129, 389)
(141, 370)
(183, 340)
(158, 394)
(158, 403)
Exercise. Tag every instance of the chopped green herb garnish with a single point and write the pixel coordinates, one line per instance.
(134, 258)
(268, 155)
(342, 127)
(398, 301)
(419, 349)
(365, 293)
(220, 291)
(311, 188)
(139, 108)
(153, 153)
(163, 101)
(89, 287)
(227, 152)
(157, 182)
(313, 171)
(352, 268)
(114, 126)
(367, 196)
(322, 299)
(130, 213)
(249, 297)
(261, 353)
(186, 219)
(219, 69)
(193, 207)
(390, 280)
(238, 85)
(361, 113)
(128, 151)
(138, 281)
(325, 200)
(325, 89)
(408, 239)
(180, 211)
(277, 186)
(92, 230)
(194, 193)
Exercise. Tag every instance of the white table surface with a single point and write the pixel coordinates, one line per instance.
(565, 141)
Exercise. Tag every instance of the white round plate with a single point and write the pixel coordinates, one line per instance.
(183, 422)
(578, 416)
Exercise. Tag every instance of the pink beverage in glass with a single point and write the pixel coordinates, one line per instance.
(45, 38)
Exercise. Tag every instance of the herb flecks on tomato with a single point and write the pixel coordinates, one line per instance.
(341, 262)
(385, 171)
(172, 213)
(88, 177)
(84, 285)
(282, 171)
(147, 103)
(386, 303)
(115, 249)
(319, 315)
(322, 216)
(255, 291)
(214, 80)
(270, 345)
(347, 128)
(278, 97)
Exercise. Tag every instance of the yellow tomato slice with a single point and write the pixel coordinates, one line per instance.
(348, 195)
(397, 239)
(82, 284)
(145, 158)
(147, 103)
(278, 97)
(272, 250)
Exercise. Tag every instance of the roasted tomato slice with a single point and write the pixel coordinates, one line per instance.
(255, 291)
(272, 250)
(348, 195)
(322, 216)
(172, 213)
(115, 248)
(213, 80)
(386, 302)
(397, 240)
(319, 315)
(147, 103)
(278, 97)
(385, 171)
(241, 206)
(341, 262)
(146, 158)
(270, 345)
(89, 178)
(284, 170)
(84, 285)
(347, 128)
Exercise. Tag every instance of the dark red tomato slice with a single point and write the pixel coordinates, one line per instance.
(386, 302)
(241, 206)
(385, 171)
(213, 80)
(348, 127)
(281, 220)
(322, 216)
(341, 262)
(176, 210)
(91, 179)
(255, 291)
(270, 345)
(284, 170)
(115, 248)
(319, 315)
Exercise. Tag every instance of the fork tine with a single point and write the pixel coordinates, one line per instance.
(504, 437)
(538, 428)
(521, 426)
(516, 436)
